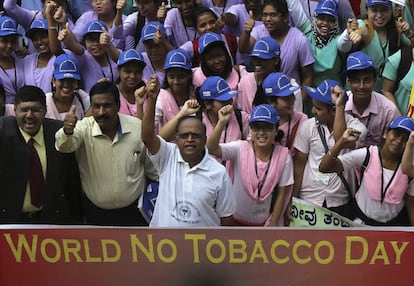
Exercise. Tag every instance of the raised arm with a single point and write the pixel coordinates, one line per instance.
(246, 42)
(148, 135)
(54, 43)
(213, 141)
(167, 132)
(106, 42)
(330, 162)
(69, 39)
(338, 97)
(407, 158)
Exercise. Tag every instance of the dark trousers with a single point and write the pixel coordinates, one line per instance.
(126, 216)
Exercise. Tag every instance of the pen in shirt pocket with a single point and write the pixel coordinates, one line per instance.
(135, 154)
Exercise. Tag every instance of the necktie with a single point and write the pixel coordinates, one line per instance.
(36, 179)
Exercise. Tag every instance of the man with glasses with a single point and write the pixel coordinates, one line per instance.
(373, 109)
(38, 184)
(195, 190)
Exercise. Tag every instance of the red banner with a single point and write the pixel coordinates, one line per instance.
(220, 256)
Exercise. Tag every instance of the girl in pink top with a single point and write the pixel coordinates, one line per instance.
(214, 94)
(385, 195)
(130, 67)
(176, 89)
(279, 92)
(215, 61)
(263, 175)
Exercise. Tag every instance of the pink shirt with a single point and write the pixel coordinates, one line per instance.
(289, 128)
(166, 108)
(126, 107)
(199, 78)
(376, 117)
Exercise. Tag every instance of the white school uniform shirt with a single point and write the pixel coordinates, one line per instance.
(316, 186)
(190, 197)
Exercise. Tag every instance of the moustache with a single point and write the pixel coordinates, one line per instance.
(103, 117)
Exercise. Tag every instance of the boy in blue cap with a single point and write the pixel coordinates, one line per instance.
(373, 109)
(385, 195)
(313, 139)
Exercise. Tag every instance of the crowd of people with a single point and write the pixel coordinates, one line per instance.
(230, 107)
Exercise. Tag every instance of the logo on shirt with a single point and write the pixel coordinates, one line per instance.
(186, 212)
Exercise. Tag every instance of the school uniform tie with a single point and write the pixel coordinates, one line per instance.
(36, 179)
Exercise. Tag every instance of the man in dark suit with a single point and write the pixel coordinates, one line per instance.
(37, 183)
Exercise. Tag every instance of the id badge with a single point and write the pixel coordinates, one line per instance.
(259, 207)
(322, 178)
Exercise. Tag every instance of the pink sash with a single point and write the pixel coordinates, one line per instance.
(249, 178)
(372, 179)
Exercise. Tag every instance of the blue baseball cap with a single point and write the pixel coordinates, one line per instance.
(149, 30)
(359, 61)
(130, 55)
(266, 48)
(66, 66)
(216, 88)
(403, 122)
(385, 3)
(322, 93)
(178, 58)
(278, 84)
(327, 7)
(94, 27)
(264, 113)
(37, 25)
(207, 39)
(8, 26)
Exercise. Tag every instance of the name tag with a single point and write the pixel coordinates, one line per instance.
(259, 207)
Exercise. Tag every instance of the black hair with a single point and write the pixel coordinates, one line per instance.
(280, 5)
(105, 87)
(200, 10)
(30, 93)
(165, 83)
(186, 117)
(350, 74)
(229, 64)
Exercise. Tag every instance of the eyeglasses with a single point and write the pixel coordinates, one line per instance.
(271, 15)
(188, 134)
(26, 109)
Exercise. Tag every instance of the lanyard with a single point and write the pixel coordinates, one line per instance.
(14, 83)
(110, 67)
(384, 191)
(185, 29)
(288, 133)
(261, 183)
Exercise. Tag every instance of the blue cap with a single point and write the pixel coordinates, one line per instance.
(207, 39)
(149, 30)
(216, 88)
(94, 27)
(178, 58)
(8, 26)
(359, 61)
(385, 3)
(278, 84)
(264, 113)
(266, 48)
(38, 24)
(66, 66)
(327, 7)
(130, 55)
(403, 122)
(323, 92)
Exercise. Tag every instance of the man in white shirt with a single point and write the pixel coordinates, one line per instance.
(195, 190)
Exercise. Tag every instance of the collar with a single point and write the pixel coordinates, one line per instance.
(38, 138)
(203, 164)
(123, 127)
(373, 106)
